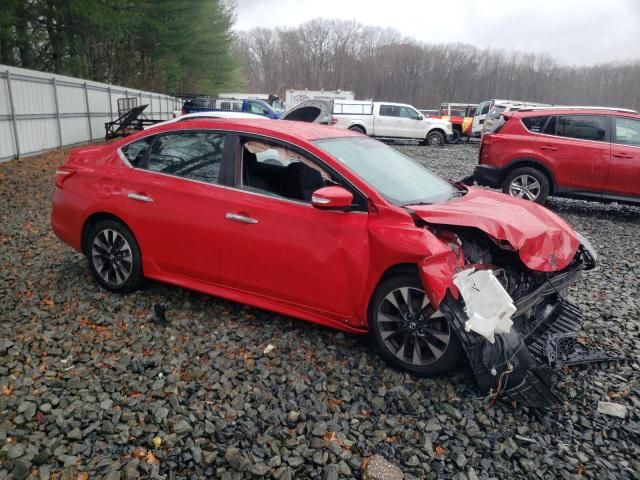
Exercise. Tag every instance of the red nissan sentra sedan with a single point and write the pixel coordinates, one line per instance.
(336, 228)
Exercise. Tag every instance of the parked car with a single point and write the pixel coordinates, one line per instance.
(461, 117)
(495, 105)
(428, 112)
(390, 120)
(198, 104)
(580, 152)
(332, 227)
(207, 114)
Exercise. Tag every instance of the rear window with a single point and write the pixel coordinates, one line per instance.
(535, 124)
(583, 127)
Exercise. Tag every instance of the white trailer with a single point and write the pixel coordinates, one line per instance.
(293, 97)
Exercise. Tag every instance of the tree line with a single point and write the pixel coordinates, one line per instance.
(379, 63)
(160, 45)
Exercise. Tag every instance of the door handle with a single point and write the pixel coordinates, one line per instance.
(622, 155)
(547, 147)
(139, 197)
(240, 218)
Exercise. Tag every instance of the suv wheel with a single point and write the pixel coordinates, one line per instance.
(408, 333)
(114, 257)
(434, 139)
(527, 183)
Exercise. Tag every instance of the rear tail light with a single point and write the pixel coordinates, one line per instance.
(62, 175)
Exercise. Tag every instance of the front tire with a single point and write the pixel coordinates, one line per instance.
(527, 183)
(407, 332)
(434, 139)
(114, 256)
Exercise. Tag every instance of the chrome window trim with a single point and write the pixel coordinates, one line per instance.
(236, 189)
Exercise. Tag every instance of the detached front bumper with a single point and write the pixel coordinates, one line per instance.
(519, 365)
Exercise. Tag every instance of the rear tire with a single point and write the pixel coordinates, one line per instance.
(434, 139)
(528, 183)
(357, 128)
(407, 332)
(114, 257)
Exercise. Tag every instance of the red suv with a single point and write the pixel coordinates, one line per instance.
(579, 152)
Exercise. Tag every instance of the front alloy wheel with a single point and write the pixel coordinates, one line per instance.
(408, 331)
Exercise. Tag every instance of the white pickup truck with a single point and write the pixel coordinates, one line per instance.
(390, 120)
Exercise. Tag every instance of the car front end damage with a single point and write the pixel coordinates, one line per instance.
(504, 292)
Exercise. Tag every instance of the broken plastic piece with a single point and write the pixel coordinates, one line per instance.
(488, 305)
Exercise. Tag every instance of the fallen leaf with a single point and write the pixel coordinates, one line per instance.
(6, 390)
(440, 450)
(329, 436)
(151, 458)
(157, 441)
(581, 470)
(83, 476)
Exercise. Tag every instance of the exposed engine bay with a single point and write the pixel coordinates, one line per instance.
(513, 357)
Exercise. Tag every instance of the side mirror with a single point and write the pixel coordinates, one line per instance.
(420, 117)
(332, 198)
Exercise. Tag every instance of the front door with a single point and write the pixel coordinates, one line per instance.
(276, 244)
(624, 172)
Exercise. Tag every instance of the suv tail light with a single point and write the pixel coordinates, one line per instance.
(62, 175)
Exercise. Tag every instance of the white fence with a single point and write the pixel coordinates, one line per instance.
(40, 111)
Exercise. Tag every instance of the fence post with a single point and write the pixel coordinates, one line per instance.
(57, 104)
(13, 115)
(86, 101)
(110, 104)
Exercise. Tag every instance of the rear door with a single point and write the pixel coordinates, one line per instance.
(578, 148)
(172, 199)
(387, 121)
(624, 172)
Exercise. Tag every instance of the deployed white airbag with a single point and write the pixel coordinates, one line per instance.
(488, 305)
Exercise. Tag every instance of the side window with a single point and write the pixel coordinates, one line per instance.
(192, 155)
(583, 127)
(550, 129)
(484, 108)
(389, 111)
(257, 108)
(280, 172)
(535, 124)
(627, 131)
(134, 152)
(406, 112)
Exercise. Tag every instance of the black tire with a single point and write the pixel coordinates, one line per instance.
(442, 352)
(434, 139)
(456, 137)
(114, 257)
(357, 128)
(528, 183)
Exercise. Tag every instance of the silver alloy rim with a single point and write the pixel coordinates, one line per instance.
(525, 186)
(434, 140)
(411, 329)
(112, 257)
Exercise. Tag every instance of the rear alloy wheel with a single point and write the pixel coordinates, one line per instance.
(114, 256)
(434, 139)
(527, 183)
(408, 332)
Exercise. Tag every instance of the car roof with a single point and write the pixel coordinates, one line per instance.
(283, 128)
(532, 111)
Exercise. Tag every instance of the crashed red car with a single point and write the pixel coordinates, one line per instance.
(332, 227)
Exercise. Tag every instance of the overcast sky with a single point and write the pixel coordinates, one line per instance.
(576, 32)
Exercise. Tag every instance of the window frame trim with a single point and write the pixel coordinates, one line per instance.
(598, 142)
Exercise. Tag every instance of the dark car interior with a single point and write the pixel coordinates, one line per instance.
(296, 180)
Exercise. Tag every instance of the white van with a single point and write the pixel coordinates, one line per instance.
(499, 106)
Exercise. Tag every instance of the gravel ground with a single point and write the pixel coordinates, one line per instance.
(92, 387)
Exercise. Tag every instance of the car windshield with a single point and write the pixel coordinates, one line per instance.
(398, 178)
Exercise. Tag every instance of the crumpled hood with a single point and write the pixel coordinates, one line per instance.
(543, 240)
